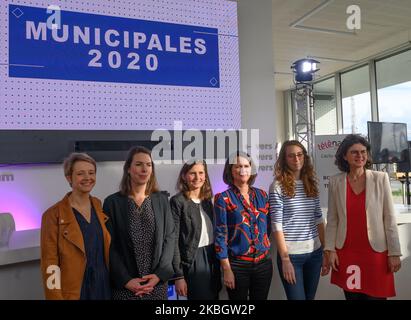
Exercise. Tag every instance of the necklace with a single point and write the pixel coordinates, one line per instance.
(355, 178)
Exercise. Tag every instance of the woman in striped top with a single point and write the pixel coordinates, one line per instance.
(297, 222)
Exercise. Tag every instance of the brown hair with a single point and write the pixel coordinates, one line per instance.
(346, 144)
(125, 184)
(285, 177)
(206, 192)
(231, 160)
(74, 157)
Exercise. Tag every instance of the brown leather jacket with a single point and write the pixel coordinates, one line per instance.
(62, 245)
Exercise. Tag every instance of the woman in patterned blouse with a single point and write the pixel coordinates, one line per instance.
(242, 231)
(142, 231)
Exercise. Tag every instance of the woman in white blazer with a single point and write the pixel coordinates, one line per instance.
(361, 238)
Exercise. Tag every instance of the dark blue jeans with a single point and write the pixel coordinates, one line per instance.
(307, 268)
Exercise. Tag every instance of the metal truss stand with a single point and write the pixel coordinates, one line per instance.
(304, 116)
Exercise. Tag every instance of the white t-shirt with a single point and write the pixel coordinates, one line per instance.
(206, 237)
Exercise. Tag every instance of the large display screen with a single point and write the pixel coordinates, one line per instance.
(119, 65)
(388, 142)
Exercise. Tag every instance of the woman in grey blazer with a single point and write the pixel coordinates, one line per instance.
(361, 237)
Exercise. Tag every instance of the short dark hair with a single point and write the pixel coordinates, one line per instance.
(342, 150)
(125, 184)
(231, 160)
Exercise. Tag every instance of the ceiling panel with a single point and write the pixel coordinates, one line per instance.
(382, 23)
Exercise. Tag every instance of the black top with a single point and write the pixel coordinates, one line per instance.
(142, 233)
(96, 282)
(187, 219)
(123, 265)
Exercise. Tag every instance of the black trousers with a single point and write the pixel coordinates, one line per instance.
(252, 280)
(204, 277)
(359, 296)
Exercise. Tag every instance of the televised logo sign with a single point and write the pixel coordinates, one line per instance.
(91, 47)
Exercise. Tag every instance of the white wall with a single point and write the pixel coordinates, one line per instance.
(257, 78)
(257, 89)
(280, 115)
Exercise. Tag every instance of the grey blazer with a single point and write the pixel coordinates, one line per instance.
(381, 223)
(187, 219)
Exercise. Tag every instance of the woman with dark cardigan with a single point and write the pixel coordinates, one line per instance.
(195, 263)
(142, 231)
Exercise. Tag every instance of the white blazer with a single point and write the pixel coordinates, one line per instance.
(381, 223)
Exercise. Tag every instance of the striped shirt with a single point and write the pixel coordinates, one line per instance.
(296, 217)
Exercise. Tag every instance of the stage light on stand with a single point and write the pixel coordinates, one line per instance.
(304, 70)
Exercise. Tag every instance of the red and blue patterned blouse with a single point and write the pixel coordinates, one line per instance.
(241, 229)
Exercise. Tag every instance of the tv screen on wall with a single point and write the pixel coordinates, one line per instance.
(99, 75)
(119, 65)
(389, 143)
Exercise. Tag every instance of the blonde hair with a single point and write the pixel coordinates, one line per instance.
(74, 157)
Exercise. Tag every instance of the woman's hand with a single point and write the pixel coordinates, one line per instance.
(288, 271)
(181, 287)
(333, 260)
(394, 263)
(325, 267)
(229, 279)
(151, 281)
(136, 285)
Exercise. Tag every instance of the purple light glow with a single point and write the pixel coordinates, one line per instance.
(219, 187)
(21, 207)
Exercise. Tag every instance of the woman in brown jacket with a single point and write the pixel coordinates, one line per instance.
(74, 239)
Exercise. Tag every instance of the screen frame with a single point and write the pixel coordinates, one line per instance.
(372, 127)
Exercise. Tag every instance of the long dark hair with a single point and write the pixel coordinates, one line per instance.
(125, 184)
(285, 177)
(206, 192)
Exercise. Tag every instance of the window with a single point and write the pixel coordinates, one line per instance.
(325, 110)
(356, 100)
(394, 89)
